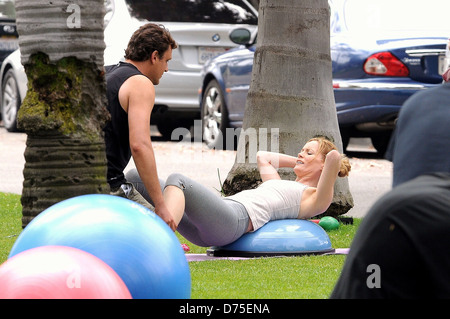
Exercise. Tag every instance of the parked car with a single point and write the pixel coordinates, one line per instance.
(201, 28)
(379, 58)
(8, 30)
(8, 44)
(13, 84)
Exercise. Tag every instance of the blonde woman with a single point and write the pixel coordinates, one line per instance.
(206, 219)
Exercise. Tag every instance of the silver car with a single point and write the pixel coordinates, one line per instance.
(13, 84)
(202, 30)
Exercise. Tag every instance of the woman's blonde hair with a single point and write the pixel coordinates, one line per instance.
(325, 146)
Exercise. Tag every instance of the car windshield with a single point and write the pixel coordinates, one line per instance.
(203, 11)
(7, 9)
(365, 16)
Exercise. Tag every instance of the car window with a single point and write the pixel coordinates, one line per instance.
(203, 11)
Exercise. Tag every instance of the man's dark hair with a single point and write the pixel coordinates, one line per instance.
(147, 39)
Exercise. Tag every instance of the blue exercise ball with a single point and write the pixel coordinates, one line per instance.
(136, 243)
(278, 238)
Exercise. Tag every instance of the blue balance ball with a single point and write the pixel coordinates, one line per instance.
(279, 238)
(136, 243)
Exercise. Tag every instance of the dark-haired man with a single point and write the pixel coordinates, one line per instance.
(131, 97)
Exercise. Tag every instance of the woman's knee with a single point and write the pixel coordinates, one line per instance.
(177, 180)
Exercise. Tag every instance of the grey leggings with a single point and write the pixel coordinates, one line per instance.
(208, 220)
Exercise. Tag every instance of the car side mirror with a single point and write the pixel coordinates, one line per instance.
(240, 36)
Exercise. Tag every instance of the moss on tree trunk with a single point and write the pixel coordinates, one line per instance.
(63, 115)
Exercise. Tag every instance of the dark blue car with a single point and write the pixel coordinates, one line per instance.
(382, 52)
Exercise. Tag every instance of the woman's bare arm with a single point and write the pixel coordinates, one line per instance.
(269, 162)
(321, 197)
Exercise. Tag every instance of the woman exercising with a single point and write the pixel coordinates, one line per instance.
(206, 219)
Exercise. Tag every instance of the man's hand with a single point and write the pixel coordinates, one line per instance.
(166, 216)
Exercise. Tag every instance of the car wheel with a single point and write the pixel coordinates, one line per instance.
(214, 116)
(10, 101)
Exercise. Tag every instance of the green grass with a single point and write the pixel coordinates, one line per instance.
(306, 277)
(272, 278)
(10, 222)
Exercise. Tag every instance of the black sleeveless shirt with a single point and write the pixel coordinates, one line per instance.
(118, 152)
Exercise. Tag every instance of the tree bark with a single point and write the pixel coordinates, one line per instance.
(291, 98)
(64, 110)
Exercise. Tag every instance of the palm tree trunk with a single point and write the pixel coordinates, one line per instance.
(65, 108)
(290, 93)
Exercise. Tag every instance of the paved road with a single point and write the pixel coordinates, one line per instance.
(369, 179)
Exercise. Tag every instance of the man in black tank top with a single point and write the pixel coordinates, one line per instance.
(131, 97)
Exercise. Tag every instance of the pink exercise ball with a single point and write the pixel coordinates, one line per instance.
(59, 272)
